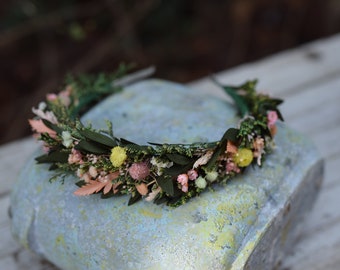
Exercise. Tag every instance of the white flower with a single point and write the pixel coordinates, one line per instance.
(42, 106)
(201, 183)
(211, 176)
(160, 165)
(67, 138)
(93, 171)
(48, 115)
(152, 195)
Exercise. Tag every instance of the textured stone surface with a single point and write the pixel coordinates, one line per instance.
(248, 223)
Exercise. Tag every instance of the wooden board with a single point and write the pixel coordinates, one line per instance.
(308, 78)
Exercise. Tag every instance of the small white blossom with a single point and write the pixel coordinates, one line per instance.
(48, 115)
(201, 183)
(93, 171)
(152, 195)
(67, 138)
(211, 176)
(42, 106)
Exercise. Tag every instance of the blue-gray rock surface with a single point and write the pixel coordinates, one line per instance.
(249, 223)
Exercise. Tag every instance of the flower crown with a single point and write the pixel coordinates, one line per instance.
(162, 173)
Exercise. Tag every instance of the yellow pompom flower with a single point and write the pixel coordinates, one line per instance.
(118, 156)
(243, 157)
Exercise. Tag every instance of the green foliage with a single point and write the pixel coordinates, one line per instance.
(91, 147)
(53, 157)
(98, 138)
(90, 89)
(135, 197)
(146, 168)
(167, 185)
(179, 159)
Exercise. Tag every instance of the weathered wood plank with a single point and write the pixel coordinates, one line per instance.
(310, 86)
(317, 250)
(331, 172)
(8, 263)
(285, 72)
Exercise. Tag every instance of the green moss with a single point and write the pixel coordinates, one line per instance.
(147, 213)
(60, 240)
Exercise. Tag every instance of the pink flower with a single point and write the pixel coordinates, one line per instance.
(75, 157)
(51, 97)
(39, 127)
(139, 171)
(183, 180)
(185, 188)
(192, 174)
(64, 96)
(272, 118)
(232, 167)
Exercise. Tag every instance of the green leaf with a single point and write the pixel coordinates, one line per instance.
(231, 134)
(179, 159)
(166, 184)
(279, 115)
(52, 126)
(124, 142)
(134, 198)
(81, 183)
(52, 157)
(98, 137)
(177, 169)
(240, 102)
(107, 195)
(91, 147)
(160, 200)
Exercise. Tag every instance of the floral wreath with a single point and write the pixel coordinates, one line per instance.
(162, 173)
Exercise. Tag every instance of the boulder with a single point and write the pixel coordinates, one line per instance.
(249, 223)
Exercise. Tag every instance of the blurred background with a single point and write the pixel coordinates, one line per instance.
(41, 41)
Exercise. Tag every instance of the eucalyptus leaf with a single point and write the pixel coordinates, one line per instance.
(124, 142)
(134, 198)
(179, 159)
(52, 126)
(91, 147)
(240, 102)
(173, 201)
(166, 184)
(177, 169)
(98, 137)
(107, 195)
(231, 134)
(279, 114)
(160, 200)
(53, 157)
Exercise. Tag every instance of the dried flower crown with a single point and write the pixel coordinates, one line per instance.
(162, 173)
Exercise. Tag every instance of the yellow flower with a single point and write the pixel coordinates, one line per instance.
(118, 156)
(243, 157)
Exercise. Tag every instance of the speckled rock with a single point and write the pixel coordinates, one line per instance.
(247, 224)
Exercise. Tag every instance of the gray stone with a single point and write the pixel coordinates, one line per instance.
(250, 223)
